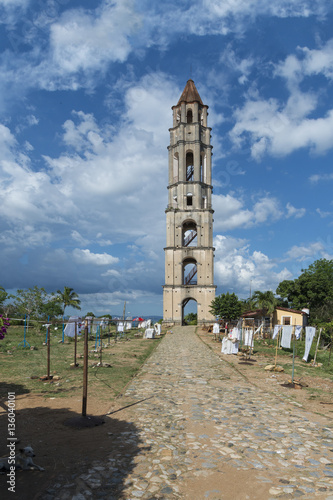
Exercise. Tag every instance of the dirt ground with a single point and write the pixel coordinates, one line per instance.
(64, 451)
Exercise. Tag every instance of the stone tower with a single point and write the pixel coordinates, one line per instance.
(189, 252)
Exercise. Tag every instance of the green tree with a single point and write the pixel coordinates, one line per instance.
(68, 298)
(313, 289)
(265, 301)
(31, 301)
(3, 296)
(190, 319)
(52, 309)
(226, 306)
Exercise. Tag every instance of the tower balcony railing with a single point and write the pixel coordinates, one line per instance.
(189, 279)
(189, 238)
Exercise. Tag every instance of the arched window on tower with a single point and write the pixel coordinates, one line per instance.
(189, 116)
(189, 166)
(189, 272)
(189, 199)
(189, 234)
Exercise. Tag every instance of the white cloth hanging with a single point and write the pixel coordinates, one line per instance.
(298, 330)
(236, 333)
(286, 336)
(277, 328)
(70, 327)
(248, 337)
(310, 332)
(228, 346)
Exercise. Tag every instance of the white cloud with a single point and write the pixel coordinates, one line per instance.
(321, 177)
(230, 212)
(87, 40)
(239, 270)
(304, 252)
(295, 212)
(279, 128)
(323, 214)
(97, 259)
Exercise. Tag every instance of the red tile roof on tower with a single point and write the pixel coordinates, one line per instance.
(190, 94)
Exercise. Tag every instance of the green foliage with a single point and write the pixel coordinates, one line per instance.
(265, 301)
(68, 298)
(51, 309)
(226, 306)
(31, 301)
(313, 289)
(190, 319)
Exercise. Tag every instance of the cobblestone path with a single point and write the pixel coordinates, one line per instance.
(202, 432)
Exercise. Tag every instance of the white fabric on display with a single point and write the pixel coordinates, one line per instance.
(298, 330)
(248, 337)
(70, 327)
(228, 346)
(236, 333)
(224, 345)
(149, 333)
(310, 332)
(286, 336)
(277, 328)
(216, 328)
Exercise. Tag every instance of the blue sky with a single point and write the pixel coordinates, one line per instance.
(86, 90)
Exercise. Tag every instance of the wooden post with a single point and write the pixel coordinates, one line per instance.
(75, 344)
(85, 372)
(294, 344)
(48, 351)
(315, 356)
(276, 350)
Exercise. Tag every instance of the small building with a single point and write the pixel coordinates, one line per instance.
(281, 316)
(285, 316)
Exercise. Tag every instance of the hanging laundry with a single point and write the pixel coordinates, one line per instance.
(286, 336)
(248, 337)
(298, 330)
(277, 328)
(236, 333)
(234, 347)
(310, 332)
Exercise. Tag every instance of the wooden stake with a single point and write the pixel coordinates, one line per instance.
(85, 372)
(277, 343)
(315, 356)
(48, 352)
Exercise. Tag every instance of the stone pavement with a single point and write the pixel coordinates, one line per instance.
(203, 432)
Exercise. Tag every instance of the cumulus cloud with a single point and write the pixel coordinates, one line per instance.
(304, 252)
(238, 269)
(97, 259)
(279, 128)
(320, 177)
(230, 212)
(295, 212)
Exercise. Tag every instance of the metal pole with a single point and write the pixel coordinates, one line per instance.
(85, 372)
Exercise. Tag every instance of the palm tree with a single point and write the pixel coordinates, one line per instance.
(265, 301)
(69, 298)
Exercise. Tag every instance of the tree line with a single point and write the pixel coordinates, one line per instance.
(37, 304)
(312, 290)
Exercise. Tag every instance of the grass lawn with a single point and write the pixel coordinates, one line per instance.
(284, 357)
(21, 367)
